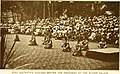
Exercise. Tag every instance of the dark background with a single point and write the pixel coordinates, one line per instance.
(36, 9)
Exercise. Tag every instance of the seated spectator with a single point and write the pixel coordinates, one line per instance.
(116, 39)
(98, 37)
(93, 36)
(27, 31)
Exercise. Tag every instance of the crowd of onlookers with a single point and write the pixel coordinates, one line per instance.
(74, 28)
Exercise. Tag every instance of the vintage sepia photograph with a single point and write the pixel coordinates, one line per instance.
(59, 35)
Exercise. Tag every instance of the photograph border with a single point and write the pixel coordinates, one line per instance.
(11, 71)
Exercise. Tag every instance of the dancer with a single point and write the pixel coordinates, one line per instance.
(81, 46)
(102, 44)
(48, 44)
(66, 46)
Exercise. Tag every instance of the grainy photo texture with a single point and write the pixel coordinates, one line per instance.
(59, 35)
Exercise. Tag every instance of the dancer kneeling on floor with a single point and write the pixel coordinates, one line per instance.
(48, 44)
(81, 46)
(66, 45)
(45, 40)
(102, 44)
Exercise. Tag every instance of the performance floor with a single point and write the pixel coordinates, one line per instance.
(36, 57)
